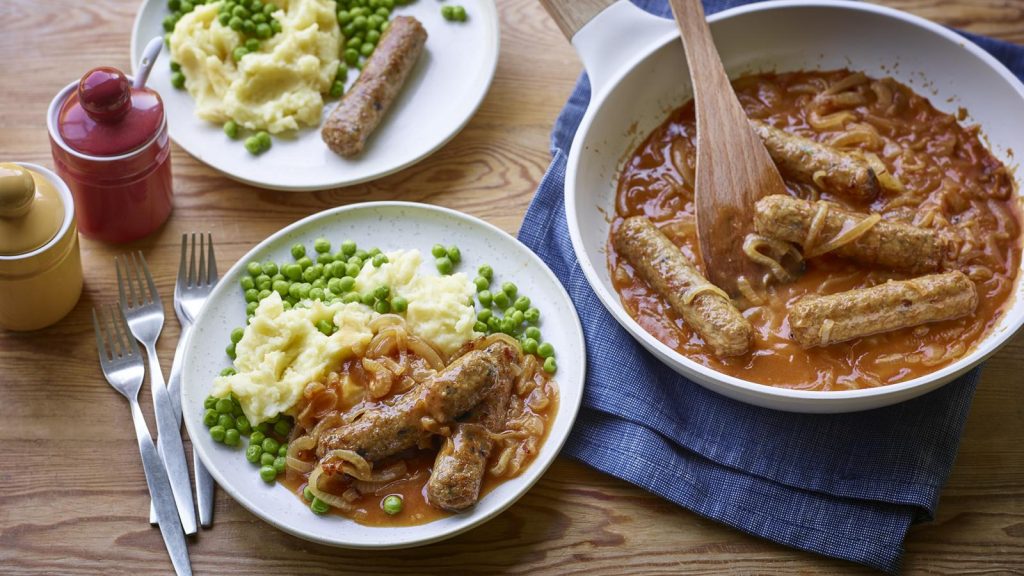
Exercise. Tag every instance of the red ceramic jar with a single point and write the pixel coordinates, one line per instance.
(110, 145)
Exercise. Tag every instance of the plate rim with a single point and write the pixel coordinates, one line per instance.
(559, 443)
(484, 87)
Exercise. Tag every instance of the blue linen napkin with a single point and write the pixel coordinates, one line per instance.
(846, 486)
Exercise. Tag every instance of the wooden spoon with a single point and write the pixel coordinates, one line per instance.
(733, 167)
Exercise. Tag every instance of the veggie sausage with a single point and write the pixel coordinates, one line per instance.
(891, 245)
(389, 428)
(801, 159)
(361, 109)
(703, 307)
(824, 320)
(459, 468)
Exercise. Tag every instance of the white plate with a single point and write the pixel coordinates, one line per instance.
(389, 226)
(439, 97)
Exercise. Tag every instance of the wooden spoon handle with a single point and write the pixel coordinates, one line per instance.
(571, 15)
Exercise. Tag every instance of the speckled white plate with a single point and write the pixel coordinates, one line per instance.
(389, 226)
(438, 99)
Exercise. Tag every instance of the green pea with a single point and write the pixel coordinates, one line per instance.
(224, 18)
(382, 307)
(292, 271)
(373, 37)
(360, 22)
(508, 326)
(249, 27)
(550, 366)
(340, 267)
(257, 437)
(510, 289)
(252, 143)
(210, 418)
(247, 283)
(283, 450)
(379, 260)
(530, 345)
(224, 405)
(250, 308)
(279, 464)
(270, 445)
(217, 433)
(252, 44)
(480, 327)
(351, 297)
(211, 401)
(454, 254)
(318, 506)
(235, 23)
(494, 324)
(546, 350)
(346, 283)
(253, 453)
(352, 269)
(399, 304)
(484, 315)
(226, 421)
(447, 12)
(384, 12)
(444, 265)
(485, 298)
(254, 269)
(501, 300)
(374, 22)
(367, 299)
(438, 251)
(304, 262)
(354, 42)
(269, 8)
(243, 426)
(344, 17)
(321, 245)
(232, 437)
(381, 293)
(240, 11)
(264, 139)
(518, 317)
(522, 303)
(268, 474)
(533, 332)
(169, 22)
(298, 251)
(308, 494)
(267, 459)
(252, 295)
(337, 89)
(263, 30)
(313, 272)
(239, 53)
(275, 25)
(366, 49)
(481, 283)
(392, 504)
(263, 294)
(316, 293)
(334, 285)
(348, 247)
(532, 316)
(295, 290)
(178, 80)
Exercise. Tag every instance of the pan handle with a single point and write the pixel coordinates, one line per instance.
(608, 35)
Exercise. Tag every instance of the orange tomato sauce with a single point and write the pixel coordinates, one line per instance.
(945, 179)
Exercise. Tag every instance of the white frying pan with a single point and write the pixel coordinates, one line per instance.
(638, 75)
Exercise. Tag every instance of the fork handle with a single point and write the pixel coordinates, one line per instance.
(169, 438)
(162, 495)
(174, 392)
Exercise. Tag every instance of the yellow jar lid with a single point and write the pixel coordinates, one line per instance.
(31, 210)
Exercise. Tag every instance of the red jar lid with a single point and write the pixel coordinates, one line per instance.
(106, 116)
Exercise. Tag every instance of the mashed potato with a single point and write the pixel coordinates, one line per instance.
(282, 350)
(280, 87)
(440, 307)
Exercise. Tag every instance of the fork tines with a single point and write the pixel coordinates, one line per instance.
(134, 270)
(206, 273)
(112, 336)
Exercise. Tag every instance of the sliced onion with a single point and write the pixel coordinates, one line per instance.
(331, 420)
(856, 231)
(333, 500)
(352, 464)
(292, 459)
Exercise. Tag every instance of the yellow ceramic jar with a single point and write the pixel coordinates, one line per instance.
(40, 261)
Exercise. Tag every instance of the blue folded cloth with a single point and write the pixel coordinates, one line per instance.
(847, 486)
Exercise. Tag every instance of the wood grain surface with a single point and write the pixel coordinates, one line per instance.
(72, 494)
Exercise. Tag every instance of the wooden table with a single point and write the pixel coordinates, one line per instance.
(72, 493)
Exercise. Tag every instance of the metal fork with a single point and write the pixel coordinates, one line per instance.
(193, 286)
(122, 366)
(144, 311)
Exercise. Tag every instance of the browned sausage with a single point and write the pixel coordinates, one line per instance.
(391, 427)
(460, 465)
(824, 320)
(801, 159)
(892, 245)
(361, 109)
(661, 264)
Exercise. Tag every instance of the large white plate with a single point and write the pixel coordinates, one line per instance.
(439, 97)
(387, 225)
